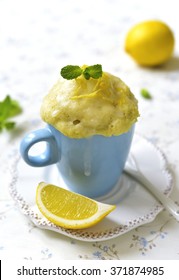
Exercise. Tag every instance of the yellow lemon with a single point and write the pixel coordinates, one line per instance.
(68, 209)
(150, 43)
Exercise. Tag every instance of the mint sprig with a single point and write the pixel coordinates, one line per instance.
(71, 72)
(9, 108)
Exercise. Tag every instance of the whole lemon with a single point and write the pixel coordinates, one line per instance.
(150, 43)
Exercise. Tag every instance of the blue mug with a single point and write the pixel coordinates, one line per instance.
(89, 166)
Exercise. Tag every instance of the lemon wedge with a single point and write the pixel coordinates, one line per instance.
(68, 209)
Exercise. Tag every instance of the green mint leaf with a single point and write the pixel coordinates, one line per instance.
(8, 108)
(94, 71)
(70, 72)
(145, 93)
(86, 75)
(9, 125)
(5, 108)
(15, 109)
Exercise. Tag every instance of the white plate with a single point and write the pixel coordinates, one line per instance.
(135, 205)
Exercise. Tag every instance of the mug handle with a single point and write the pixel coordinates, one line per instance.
(51, 154)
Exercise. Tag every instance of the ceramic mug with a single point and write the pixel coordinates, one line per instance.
(89, 166)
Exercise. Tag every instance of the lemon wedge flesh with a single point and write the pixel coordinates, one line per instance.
(150, 43)
(68, 209)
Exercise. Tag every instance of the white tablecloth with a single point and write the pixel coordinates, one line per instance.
(38, 38)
